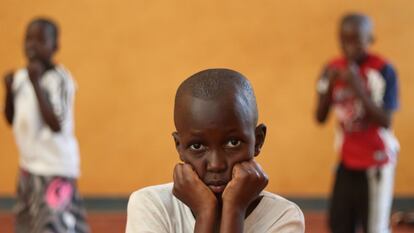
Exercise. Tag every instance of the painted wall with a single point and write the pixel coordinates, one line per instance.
(128, 58)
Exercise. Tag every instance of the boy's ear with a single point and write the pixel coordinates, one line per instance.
(260, 134)
(177, 143)
(56, 46)
(176, 139)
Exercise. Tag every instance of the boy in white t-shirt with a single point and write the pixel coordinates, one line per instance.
(219, 186)
(39, 107)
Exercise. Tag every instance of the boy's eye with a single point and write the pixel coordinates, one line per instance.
(233, 143)
(196, 146)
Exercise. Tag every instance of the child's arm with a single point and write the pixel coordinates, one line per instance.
(324, 88)
(36, 69)
(248, 181)
(195, 194)
(376, 113)
(9, 100)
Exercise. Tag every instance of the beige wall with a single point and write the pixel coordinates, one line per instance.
(128, 57)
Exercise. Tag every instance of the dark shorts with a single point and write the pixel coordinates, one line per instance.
(48, 204)
(362, 198)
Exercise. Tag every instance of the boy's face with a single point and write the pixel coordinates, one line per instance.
(355, 40)
(214, 135)
(39, 44)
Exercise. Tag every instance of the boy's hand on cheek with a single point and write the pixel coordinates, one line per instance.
(189, 188)
(248, 180)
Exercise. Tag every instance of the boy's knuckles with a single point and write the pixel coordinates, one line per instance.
(188, 180)
(243, 175)
(177, 167)
(257, 175)
(176, 192)
(236, 167)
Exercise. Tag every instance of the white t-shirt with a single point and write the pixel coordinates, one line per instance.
(42, 151)
(155, 209)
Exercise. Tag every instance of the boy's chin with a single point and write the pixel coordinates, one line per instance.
(219, 196)
(355, 57)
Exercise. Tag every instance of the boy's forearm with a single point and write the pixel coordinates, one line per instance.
(206, 221)
(46, 109)
(232, 220)
(376, 114)
(324, 89)
(323, 108)
(9, 106)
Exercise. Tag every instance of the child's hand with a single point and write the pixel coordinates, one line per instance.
(325, 82)
(331, 74)
(8, 81)
(352, 77)
(192, 191)
(35, 70)
(247, 182)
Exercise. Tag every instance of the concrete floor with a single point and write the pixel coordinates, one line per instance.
(107, 222)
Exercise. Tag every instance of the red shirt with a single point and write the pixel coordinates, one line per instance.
(361, 142)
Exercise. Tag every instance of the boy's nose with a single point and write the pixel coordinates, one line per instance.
(216, 162)
(30, 46)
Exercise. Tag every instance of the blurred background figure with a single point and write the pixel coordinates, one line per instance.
(39, 107)
(363, 89)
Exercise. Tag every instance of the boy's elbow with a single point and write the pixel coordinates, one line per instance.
(53, 122)
(322, 112)
(55, 127)
(386, 123)
(9, 118)
(320, 119)
(10, 121)
(383, 120)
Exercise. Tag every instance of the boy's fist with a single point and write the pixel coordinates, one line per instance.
(35, 69)
(248, 180)
(332, 74)
(191, 190)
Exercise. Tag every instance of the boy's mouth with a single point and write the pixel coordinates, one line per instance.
(217, 187)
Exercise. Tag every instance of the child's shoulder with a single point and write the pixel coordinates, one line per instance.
(20, 76)
(59, 76)
(278, 200)
(161, 189)
(275, 213)
(157, 194)
(59, 70)
(279, 205)
(377, 61)
(338, 61)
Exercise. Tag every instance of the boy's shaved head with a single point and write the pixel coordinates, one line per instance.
(356, 35)
(213, 84)
(361, 20)
(49, 25)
